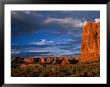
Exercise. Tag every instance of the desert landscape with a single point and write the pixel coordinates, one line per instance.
(87, 64)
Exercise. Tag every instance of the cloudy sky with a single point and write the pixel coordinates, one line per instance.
(45, 33)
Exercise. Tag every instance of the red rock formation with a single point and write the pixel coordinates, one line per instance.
(65, 61)
(49, 60)
(42, 60)
(45, 60)
(59, 60)
(54, 61)
(90, 46)
(30, 60)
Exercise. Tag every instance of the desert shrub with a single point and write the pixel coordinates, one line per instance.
(57, 70)
(73, 61)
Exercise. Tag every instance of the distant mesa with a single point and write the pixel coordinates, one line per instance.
(46, 60)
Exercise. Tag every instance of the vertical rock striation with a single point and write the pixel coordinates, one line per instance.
(90, 46)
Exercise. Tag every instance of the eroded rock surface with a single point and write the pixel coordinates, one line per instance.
(90, 46)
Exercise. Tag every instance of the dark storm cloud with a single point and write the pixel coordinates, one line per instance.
(27, 22)
(24, 22)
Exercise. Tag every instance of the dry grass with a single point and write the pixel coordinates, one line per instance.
(56, 70)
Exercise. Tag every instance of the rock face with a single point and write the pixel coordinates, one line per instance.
(90, 46)
(65, 61)
(47, 60)
(30, 60)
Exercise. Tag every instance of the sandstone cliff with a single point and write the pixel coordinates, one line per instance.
(90, 46)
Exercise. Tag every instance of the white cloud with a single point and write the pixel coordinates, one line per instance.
(42, 42)
(38, 43)
(50, 41)
(37, 51)
(97, 20)
(66, 22)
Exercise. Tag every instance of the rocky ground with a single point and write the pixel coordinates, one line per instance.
(90, 69)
